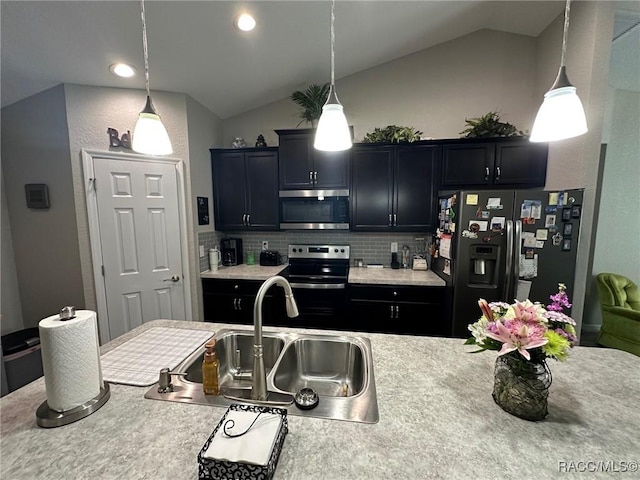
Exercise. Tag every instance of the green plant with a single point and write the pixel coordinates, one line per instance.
(489, 125)
(311, 101)
(393, 134)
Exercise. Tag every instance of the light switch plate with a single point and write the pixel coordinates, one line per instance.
(201, 251)
(265, 245)
(394, 247)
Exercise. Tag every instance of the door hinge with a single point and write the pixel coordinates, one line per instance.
(92, 184)
(102, 267)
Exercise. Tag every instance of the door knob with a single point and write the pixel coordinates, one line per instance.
(174, 278)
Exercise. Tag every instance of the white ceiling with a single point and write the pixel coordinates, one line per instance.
(194, 48)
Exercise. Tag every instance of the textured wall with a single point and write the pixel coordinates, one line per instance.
(35, 149)
(433, 90)
(10, 306)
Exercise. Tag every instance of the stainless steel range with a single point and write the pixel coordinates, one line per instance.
(318, 275)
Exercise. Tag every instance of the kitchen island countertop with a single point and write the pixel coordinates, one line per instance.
(390, 276)
(437, 421)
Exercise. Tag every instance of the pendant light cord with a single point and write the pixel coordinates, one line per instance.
(144, 47)
(333, 42)
(565, 33)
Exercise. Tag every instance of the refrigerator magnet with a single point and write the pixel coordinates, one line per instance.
(567, 229)
(539, 244)
(553, 198)
(575, 211)
(472, 198)
(549, 220)
(542, 233)
(566, 214)
(550, 209)
(566, 245)
(556, 239)
(528, 253)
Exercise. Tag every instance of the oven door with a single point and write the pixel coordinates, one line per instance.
(321, 305)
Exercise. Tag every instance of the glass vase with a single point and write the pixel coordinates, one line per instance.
(521, 387)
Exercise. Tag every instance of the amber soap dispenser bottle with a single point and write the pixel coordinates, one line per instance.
(210, 369)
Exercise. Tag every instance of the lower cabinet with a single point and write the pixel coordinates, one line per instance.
(398, 309)
(232, 301)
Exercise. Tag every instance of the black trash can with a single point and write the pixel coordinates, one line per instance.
(22, 357)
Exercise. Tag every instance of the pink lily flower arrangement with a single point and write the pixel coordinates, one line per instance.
(525, 328)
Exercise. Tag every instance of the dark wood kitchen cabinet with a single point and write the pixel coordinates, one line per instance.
(494, 163)
(398, 309)
(245, 189)
(394, 187)
(232, 301)
(303, 167)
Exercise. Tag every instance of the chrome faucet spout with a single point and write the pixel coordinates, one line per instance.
(259, 388)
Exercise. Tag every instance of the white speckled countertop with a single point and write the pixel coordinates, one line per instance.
(389, 276)
(243, 272)
(437, 421)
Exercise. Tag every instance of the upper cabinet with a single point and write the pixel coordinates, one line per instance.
(302, 167)
(245, 189)
(394, 187)
(494, 163)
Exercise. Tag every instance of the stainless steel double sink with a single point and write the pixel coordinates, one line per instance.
(338, 367)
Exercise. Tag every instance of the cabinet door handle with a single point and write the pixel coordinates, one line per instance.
(315, 177)
(391, 307)
(235, 304)
(311, 177)
(390, 222)
(239, 304)
(248, 220)
(498, 172)
(244, 219)
(397, 311)
(486, 173)
(395, 220)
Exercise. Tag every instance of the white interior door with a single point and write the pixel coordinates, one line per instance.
(138, 218)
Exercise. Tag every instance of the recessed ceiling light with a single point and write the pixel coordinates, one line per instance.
(245, 22)
(122, 70)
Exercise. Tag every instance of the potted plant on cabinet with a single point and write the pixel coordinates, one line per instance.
(489, 125)
(311, 102)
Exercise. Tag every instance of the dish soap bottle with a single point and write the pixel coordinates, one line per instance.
(210, 369)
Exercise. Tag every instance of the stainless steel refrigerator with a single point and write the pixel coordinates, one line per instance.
(502, 245)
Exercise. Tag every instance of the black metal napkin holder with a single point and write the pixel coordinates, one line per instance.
(214, 469)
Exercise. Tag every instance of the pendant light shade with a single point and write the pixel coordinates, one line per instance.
(149, 135)
(561, 114)
(333, 132)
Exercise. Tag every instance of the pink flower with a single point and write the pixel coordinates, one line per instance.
(486, 310)
(518, 335)
(527, 312)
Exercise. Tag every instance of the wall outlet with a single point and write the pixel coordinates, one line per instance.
(201, 251)
(265, 245)
(394, 247)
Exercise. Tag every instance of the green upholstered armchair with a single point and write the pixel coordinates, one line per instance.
(620, 303)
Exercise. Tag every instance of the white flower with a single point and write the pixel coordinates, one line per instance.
(479, 329)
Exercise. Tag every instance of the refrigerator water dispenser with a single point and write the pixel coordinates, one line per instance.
(482, 268)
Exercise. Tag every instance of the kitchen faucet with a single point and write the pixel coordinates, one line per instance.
(259, 388)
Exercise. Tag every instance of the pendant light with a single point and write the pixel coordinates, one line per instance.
(149, 135)
(561, 115)
(333, 132)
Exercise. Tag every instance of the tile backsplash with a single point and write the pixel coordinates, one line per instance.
(371, 247)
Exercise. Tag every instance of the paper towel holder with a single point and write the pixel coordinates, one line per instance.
(48, 418)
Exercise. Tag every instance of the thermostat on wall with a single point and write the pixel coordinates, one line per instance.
(37, 195)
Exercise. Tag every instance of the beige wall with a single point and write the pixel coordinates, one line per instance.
(10, 306)
(42, 140)
(574, 163)
(35, 149)
(205, 132)
(433, 90)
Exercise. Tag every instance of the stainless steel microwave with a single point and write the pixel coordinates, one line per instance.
(314, 209)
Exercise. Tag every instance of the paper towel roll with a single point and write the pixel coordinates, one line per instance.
(70, 360)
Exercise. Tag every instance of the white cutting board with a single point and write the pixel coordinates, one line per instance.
(138, 361)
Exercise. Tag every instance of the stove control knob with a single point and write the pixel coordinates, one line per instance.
(336, 250)
(342, 250)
